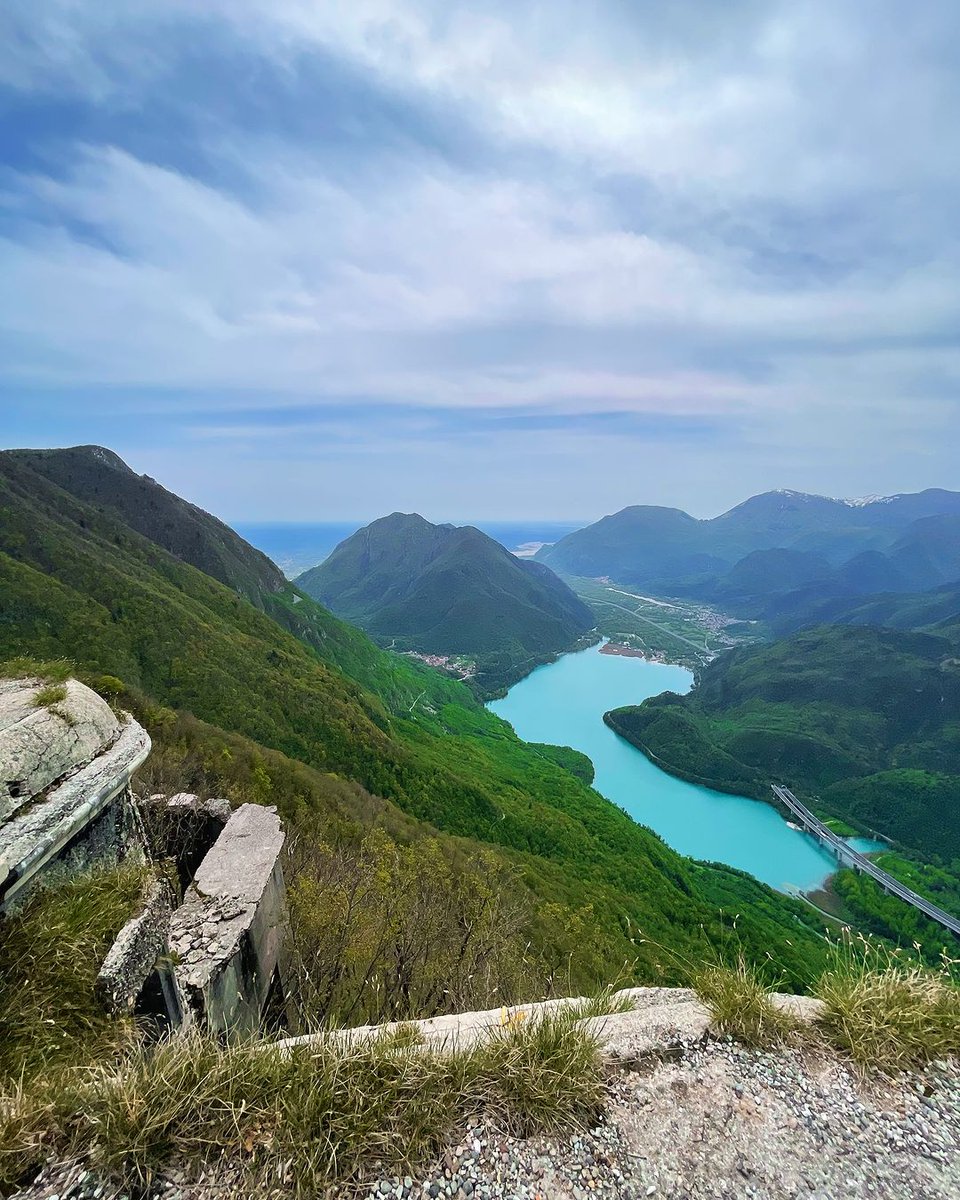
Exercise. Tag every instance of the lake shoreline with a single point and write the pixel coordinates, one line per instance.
(632, 652)
(565, 702)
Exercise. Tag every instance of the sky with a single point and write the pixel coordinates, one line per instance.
(303, 260)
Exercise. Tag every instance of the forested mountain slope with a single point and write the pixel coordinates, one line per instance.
(934, 611)
(99, 477)
(309, 714)
(866, 719)
(447, 590)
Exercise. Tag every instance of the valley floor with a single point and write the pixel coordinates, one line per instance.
(685, 632)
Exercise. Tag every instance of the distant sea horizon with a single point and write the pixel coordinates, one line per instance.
(296, 546)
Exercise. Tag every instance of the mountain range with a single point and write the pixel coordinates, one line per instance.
(448, 591)
(776, 556)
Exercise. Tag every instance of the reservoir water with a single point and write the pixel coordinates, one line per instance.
(564, 703)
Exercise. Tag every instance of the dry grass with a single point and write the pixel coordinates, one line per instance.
(886, 1009)
(738, 998)
(306, 1119)
(27, 1122)
(883, 1008)
(50, 954)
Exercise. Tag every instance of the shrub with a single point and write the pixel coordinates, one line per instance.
(386, 932)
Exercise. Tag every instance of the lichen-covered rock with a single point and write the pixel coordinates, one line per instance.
(43, 743)
(65, 770)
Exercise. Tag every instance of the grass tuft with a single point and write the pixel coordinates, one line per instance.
(27, 1121)
(888, 1010)
(544, 1075)
(738, 999)
(404, 1035)
(54, 671)
(606, 1003)
(49, 695)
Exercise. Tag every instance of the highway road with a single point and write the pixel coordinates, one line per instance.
(859, 862)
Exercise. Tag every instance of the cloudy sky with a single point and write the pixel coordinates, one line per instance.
(301, 259)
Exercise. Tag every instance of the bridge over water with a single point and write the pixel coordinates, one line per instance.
(849, 857)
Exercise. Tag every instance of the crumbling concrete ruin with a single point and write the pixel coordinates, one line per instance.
(227, 934)
(207, 942)
(66, 760)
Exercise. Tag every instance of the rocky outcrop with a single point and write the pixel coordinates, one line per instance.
(41, 742)
(711, 1120)
(65, 770)
(688, 1116)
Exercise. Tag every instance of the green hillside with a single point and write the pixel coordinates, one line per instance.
(292, 706)
(866, 719)
(934, 611)
(451, 591)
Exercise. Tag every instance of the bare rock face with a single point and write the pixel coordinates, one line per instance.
(42, 743)
(65, 769)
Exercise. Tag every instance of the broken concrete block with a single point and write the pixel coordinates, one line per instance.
(229, 933)
(65, 773)
(137, 975)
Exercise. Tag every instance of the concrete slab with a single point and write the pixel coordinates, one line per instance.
(229, 933)
(661, 1019)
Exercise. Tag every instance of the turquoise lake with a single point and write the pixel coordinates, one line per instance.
(564, 703)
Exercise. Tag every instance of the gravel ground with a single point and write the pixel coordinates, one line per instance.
(723, 1121)
(717, 1120)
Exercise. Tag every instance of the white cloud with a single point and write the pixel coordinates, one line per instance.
(186, 286)
(742, 211)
